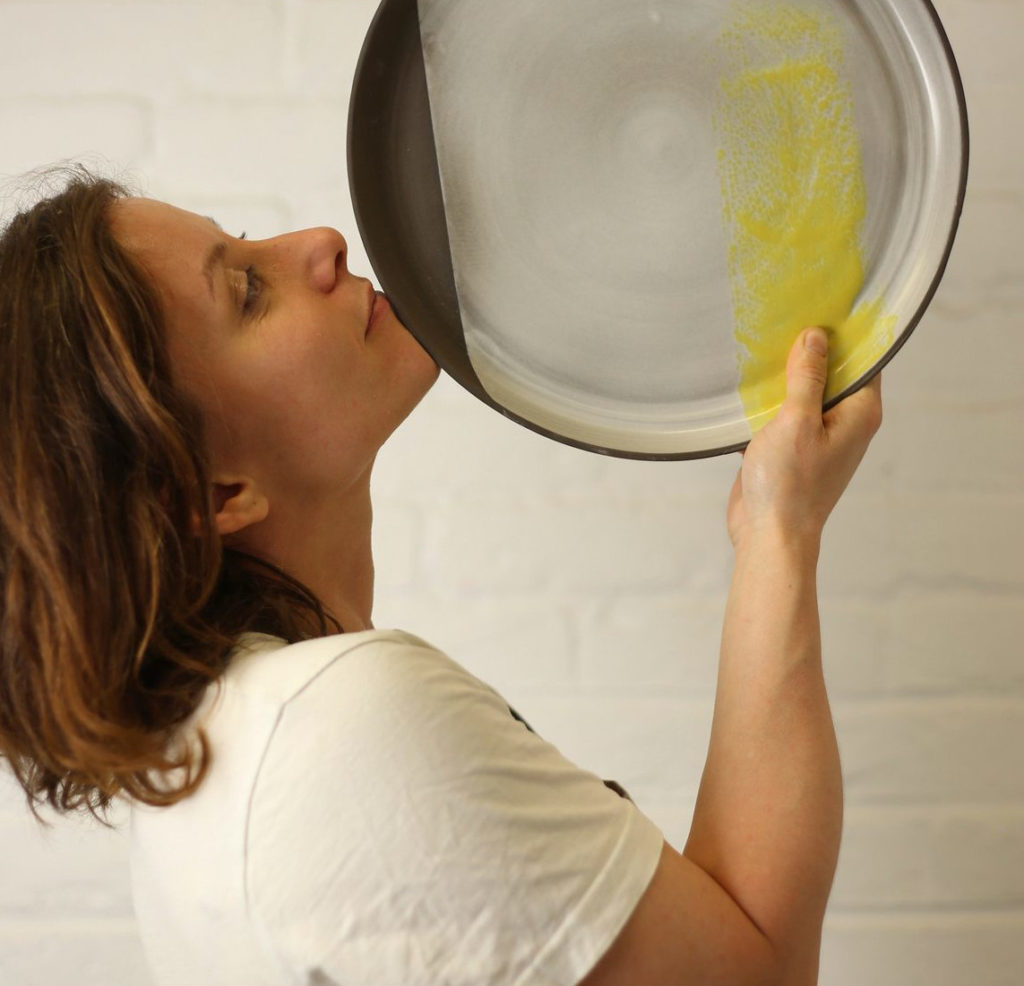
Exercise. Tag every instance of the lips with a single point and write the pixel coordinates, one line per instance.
(378, 309)
(371, 304)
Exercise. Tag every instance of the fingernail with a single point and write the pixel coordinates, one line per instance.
(816, 341)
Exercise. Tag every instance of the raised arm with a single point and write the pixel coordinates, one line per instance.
(745, 901)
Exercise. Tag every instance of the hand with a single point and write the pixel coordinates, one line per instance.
(796, 468)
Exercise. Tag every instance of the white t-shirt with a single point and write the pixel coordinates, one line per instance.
(374, 816)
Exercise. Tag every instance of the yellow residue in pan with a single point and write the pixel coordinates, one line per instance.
(794, 201)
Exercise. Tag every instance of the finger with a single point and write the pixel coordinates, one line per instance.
(872, 391)
(873, 387)
(861, 409)
(807, 371)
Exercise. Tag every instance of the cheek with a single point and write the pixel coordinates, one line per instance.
(245, 411)
(305, 405)
(320, 429)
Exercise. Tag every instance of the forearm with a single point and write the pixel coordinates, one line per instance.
(769, 812)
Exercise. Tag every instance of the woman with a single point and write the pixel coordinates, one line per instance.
(190, 425)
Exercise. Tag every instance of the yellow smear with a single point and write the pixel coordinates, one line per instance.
(794, 202)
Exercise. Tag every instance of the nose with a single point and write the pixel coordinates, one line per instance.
(327, 257)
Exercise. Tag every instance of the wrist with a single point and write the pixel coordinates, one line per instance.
(789, 543)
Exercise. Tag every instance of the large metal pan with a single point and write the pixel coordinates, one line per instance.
(561, 200)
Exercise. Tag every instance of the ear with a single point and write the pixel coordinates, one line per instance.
(238, 505)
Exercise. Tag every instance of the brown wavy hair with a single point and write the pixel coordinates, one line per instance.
(119, 604)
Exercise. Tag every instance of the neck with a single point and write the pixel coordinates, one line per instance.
(326, 545)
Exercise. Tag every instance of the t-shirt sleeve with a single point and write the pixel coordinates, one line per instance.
(405, 829)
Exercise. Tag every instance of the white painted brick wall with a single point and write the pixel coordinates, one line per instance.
(591, 590)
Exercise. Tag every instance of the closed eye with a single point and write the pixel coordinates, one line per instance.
(253, 290)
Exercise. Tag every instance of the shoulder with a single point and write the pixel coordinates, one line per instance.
(390, 671)
(355, 708)
(378, 700)
(333, 668)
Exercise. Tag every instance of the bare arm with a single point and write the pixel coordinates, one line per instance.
(745, 901)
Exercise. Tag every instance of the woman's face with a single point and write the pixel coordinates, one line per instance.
(272, 339)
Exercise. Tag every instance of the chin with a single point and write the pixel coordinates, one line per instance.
(425, 366)
(431, 371)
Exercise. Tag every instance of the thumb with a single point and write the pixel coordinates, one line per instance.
(807, 371)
